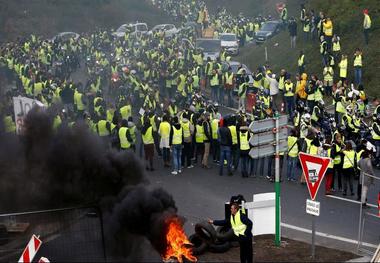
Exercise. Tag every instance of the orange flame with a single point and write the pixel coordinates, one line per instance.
(177, 244)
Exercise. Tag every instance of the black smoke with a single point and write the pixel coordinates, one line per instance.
(46, 168)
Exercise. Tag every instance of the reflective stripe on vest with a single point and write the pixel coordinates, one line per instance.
(177, 136)
(236, 224)
(124, 143)
(244, 144)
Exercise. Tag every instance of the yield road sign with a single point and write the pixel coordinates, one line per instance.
(314, 168)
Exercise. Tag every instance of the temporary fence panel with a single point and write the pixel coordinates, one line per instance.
(72, 234)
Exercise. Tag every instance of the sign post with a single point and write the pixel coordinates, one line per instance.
(269, 140)
(314, 169)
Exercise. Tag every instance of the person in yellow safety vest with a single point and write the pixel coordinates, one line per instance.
(329, 176)
(79, 103)
(124, 136)
(181, 82)
(209, 71)
(301, 62)
(214, 84)
(284, 15)
(366, 25)
(37, 88)
(242, 228)
(376, 138)
(229, 83)
(164, 131)
(328, 31)
(199, 138)
(214, 137)
(317, 114)
(337, 156)
(306, 28)
(132, 132)
(207, 133)
(103, 127)
(243, 142)
(126, 111)
(336, 48)
(172, 108)
(98, 105)
(328, 79)
(349, 166)
(176, 142)
(235, 147)
(358, 64)
(9, 124)
(188, 132)
(323, 50)
(289, 97)
(148, 141)
(292, 155)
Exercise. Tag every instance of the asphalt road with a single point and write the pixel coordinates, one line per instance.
(201, 193)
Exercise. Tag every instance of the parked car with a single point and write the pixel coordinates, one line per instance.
(169, 29)
(230, 42)
(64, 36)
(210, 47)
(267, 30)
(134, 29)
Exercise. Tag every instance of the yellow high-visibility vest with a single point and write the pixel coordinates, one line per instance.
(177, 136)
(199, 135)
(237, 226)
(164, 130)
(349, 159)
(233, 134)
(292, 146)
(301, 60)
(244, 143)
(124, 143)
(148, 136)
(358, 61)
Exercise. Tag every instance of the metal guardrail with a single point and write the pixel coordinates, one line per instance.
(376, 256)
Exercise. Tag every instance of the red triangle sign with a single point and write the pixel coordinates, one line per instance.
(314, 168)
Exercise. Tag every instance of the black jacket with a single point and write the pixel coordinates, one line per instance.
(224, 136)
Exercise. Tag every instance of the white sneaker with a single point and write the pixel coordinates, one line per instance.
(190, 166)
(174, 173)
(180, 171)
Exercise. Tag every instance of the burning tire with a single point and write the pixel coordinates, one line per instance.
(206, 231)
(219, 247)
(224, 233)
(200, 246)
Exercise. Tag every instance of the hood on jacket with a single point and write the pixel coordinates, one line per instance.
(304, 76)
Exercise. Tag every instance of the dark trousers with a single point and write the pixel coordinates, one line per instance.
(166, 155)
(337, 173)
(366, 36)
(348, 176)
(186, 154)
(246, 249)
(215, 150)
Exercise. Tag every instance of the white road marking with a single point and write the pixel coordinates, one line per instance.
(344, 239)
(350, 200)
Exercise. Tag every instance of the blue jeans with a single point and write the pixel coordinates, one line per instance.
(244, 164)
(214, 93)
(290, 169)
(225, 154)
(377, 157)
(177, 153)
(358, 75)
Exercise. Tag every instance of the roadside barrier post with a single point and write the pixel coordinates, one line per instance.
(277, 183)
